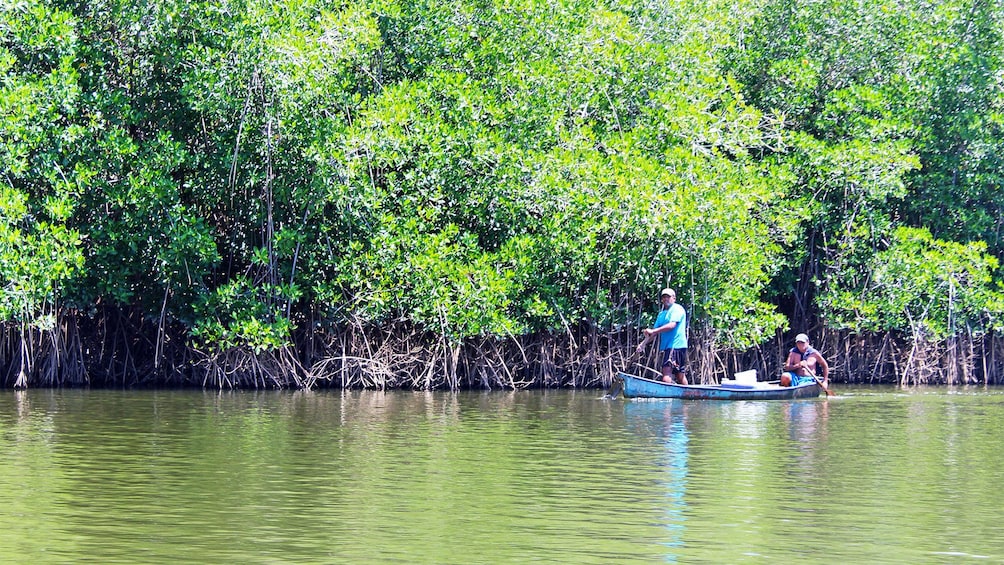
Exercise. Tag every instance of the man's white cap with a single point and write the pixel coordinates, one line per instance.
(666, 291)
(801, 338)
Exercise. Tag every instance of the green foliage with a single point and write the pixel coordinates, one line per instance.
(39, 251)
(956, 101)
(573, 170)
(239, 314)
(891, 106)
(922, 286)
(37, 256)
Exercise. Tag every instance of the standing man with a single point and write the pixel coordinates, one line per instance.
(802, 364)
(671, 327)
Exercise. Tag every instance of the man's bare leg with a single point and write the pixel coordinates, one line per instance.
(667, 374)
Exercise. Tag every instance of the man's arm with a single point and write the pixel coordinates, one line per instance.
(644, 342)
(822, 362)
(650, 332)
(794, 362)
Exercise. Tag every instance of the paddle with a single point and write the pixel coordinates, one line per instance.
(617, 384)
(822, 386)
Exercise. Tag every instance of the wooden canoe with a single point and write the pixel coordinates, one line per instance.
(632, 386)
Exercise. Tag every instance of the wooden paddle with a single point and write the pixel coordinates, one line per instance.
(616, 387)
(617, 384)
(822, 386)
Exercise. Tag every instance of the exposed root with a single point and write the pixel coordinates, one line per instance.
(120, 349)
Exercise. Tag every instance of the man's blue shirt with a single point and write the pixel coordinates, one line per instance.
(675, 338)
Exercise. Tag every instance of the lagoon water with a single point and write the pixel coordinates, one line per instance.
(874, 475)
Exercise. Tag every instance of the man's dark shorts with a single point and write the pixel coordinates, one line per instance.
(675, 358)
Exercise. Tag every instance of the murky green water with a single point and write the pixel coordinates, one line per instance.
(874, 475)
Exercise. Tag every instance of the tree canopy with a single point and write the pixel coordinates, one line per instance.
(236, 179)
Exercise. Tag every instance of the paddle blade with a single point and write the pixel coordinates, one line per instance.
(824, 387)
(616, 386)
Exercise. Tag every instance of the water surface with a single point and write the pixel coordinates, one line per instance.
(876, 475)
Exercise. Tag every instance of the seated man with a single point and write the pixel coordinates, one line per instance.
(802, 362)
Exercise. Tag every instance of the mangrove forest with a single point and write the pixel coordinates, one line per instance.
(442, 194)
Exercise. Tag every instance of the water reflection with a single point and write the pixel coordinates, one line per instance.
(667, 421)
(676, 474)
(747, 418)
(720, 465)
(806, 420)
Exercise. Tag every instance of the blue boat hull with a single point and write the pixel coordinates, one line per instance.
(640, 387)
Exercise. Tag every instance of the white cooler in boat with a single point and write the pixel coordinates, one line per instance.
(743, 379)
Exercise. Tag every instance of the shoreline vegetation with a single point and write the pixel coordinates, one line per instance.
(446, 195)
(386, 360)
